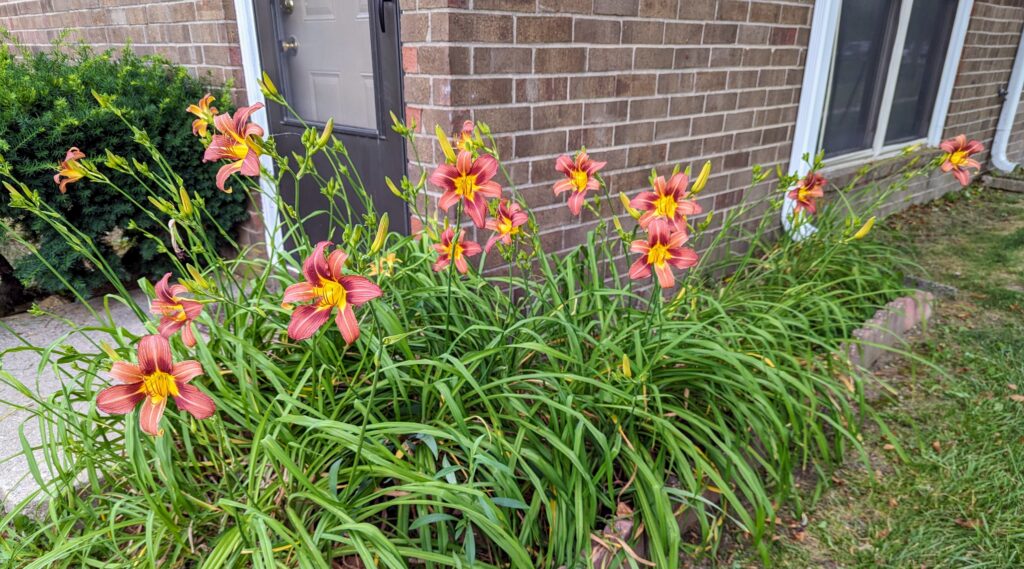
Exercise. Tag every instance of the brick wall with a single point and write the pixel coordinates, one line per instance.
(641, 83)
(199, 34)
(653, 83)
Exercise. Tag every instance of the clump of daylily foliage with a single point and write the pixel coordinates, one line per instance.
(379, 400)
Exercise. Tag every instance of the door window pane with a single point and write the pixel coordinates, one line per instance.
(866, 31)
(328, 61)
(924, 54)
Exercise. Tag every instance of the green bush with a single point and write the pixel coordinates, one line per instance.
(46, 108)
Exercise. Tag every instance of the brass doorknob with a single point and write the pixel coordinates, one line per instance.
(288, 6)
(290, 45)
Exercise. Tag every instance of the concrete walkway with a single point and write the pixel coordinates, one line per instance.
(16, 483)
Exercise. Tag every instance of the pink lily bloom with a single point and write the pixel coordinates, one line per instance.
(451, 249)
(69, 170)
(154, 380)
(510, 217)
(662, 251)
(470, 181)
(329, 288)
(205, 114)
(808, 191)
(579, 180)
(667, 202)
(235, 143)
(177, 312)
(958, 157)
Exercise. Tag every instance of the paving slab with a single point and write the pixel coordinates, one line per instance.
(18, 331)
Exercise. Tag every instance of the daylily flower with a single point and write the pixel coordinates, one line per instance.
(465, 140)
(70, 169)
(510, 217)
(451, 249)
(329, 289)
(205, 114)
(662, 250)
(235, 143)
(470, 181)
(152, 381)
(177, 313)
(667, 202)
(958, 157)
(579, 180)
(807, 192)
(384, 265)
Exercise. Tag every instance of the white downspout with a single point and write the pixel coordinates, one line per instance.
(1009, 113)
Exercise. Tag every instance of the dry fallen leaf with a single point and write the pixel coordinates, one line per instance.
(1017, 397)
(893, 502)
(937, 446)
(889, 446)
(883, 534)
(968, 524)
(800, 535)
(1012, 386)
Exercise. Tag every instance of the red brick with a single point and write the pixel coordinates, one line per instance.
(543, 29)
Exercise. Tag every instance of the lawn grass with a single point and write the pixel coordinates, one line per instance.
(955, 497)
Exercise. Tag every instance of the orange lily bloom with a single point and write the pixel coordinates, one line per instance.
(470, 181)
(205, 114)
(177, 313)
(454, 250)
(662, 250)
(154, 380)
(465, 140)
(329, 288)
(69, 170)
(235, 143)
(808, 191)
(667, 202)
(958, 157)
(579, 180)
(510, 217)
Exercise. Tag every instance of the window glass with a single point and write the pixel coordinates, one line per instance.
(924, 54)
(866, 30)
(327, 55)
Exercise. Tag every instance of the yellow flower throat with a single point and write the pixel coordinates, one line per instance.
(331, 293)
(665, 206)
(580, 179)
(958, 158)
(159, 386)
(465, 186)
(658, 255)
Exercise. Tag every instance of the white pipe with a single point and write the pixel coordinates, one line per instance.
(1009, 113)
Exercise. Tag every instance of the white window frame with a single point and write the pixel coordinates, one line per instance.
(810, 123)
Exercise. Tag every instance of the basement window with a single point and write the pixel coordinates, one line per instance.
(887, 64)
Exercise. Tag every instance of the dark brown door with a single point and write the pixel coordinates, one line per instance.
(337, 59)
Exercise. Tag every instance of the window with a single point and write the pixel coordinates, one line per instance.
(886, 67)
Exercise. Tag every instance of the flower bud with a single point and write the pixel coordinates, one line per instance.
(446, 145)
(326, 135)
(382, 234)
(702, 178)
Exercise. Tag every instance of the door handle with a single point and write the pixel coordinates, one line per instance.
(380, 14)
(290, 45)
(288, 6)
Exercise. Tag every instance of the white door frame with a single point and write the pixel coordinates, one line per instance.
(252, 71)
